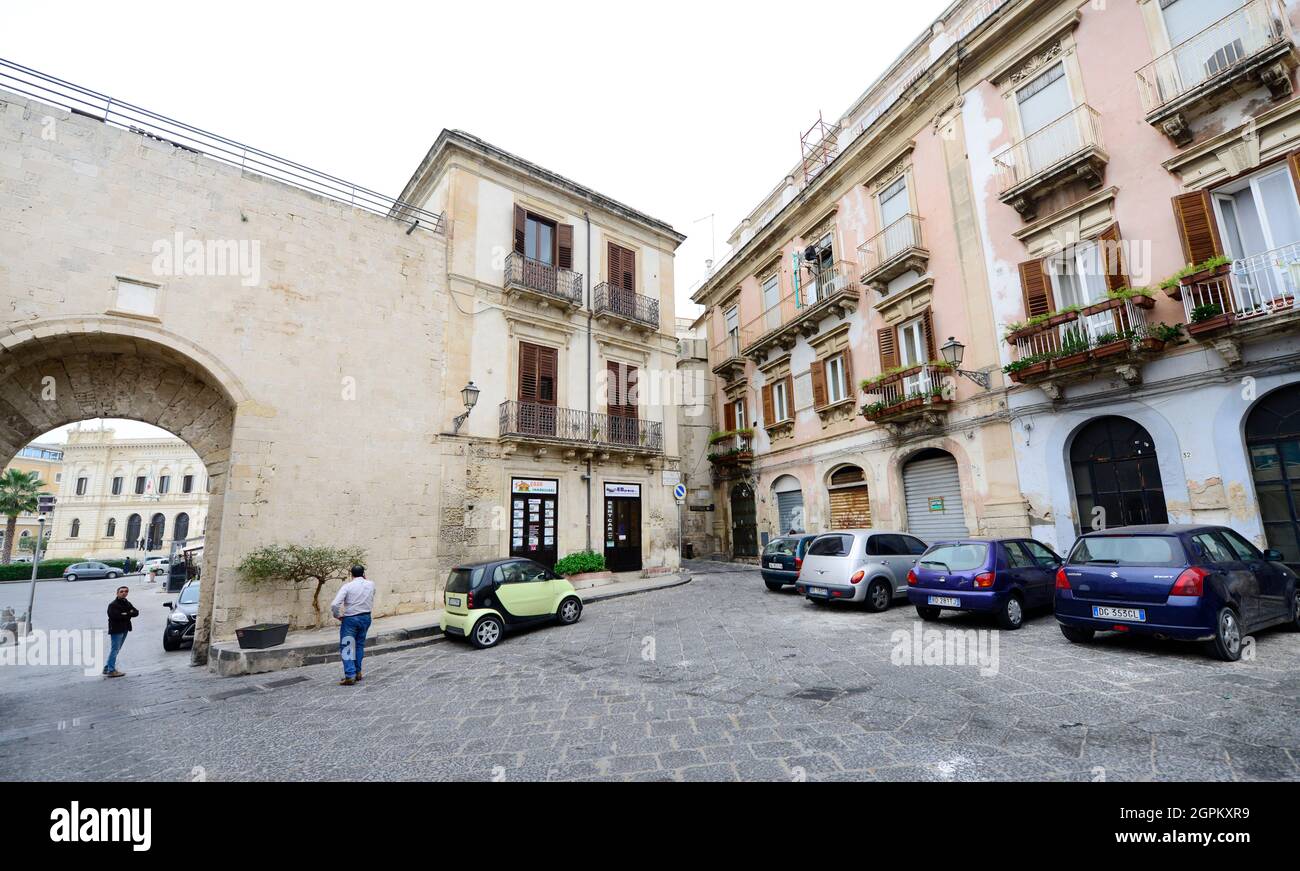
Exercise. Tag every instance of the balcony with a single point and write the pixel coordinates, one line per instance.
(729, 363)
(542, 282)
(578, 434)
(1250, 46)
(632, 310)
(1066, 150)
(1251, 298)
(731, 449)
(832, 292)
(1111, 336)
(894, 251)
(916, 394)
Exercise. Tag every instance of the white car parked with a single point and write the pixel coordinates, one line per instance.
(859, 565)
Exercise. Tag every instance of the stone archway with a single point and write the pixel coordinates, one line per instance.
(55, 375)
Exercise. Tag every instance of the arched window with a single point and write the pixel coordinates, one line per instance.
(1116, 475)
(112, 528)
(133, 532)
(76, 528)
(181, 527)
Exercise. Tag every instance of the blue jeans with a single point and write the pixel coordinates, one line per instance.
(352, 642)
(115, 643)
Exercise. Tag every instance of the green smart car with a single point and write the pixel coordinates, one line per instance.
(483, 601)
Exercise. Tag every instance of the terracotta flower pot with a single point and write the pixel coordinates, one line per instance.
(1210, 325)
(1069, 361)
(1151, 345)
(1110, 349)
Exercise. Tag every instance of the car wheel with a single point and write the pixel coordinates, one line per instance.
(570, 610)
(1012, 613)
(1227, 635)
(169, 644)
(774, 586)
(486, 632)
(112, 576)
(69, 577)
(928, 614)
(878, 596)
(1077, 634)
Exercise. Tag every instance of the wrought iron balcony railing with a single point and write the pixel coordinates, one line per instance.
(544, 279)
(803, 309)
(1214, 53)
(622, 303)
(532, 421)
(1043, 152)
(1262, 286)
(893, 251)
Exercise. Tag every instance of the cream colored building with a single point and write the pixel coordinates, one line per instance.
(127, 497)
(46, 460)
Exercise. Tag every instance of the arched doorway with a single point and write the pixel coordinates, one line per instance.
(181, 527)
(850, 499)
(1116, 475)
(788, 493)
(99, 367)
(1273, 439)
(932, 493)
(157, 527)
(744, 522)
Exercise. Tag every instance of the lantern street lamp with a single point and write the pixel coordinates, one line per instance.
(469, 395)
(952, 353)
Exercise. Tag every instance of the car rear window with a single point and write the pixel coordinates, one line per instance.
(782, 547)
(464, 580)
(1129, 550)
(960, 557)
(831, 545)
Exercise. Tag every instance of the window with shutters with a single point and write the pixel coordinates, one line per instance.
(1258, 214)
(911, 352)
(539, 239)
(538, 367)
(731, 321)
(621, 387)
(820, 269)
(837, 388)
(738, 410)
(780, 402)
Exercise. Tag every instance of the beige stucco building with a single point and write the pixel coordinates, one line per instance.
(46, 460)
(127, 497)
(309, 340)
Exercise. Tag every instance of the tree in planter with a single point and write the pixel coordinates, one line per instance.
(297, 564)
(19, 494)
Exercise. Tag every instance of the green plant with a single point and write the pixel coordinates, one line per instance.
(295, 564)
(1206, 311)
(19, 494)
(1165, 332)
(1191, 269)
(1129, 293)
(580, 563)
(47, 569)
(745, 432)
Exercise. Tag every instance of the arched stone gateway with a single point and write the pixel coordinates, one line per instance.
(58, 376)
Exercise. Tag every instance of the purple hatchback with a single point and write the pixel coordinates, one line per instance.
(1001, 576)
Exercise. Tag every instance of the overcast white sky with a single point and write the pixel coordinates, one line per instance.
(679, 109)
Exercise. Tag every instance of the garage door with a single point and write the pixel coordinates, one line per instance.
(850, 508)
(933, 492)
(789, 511)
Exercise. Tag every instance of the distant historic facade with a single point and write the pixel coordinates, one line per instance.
(127, 497)
(46, 460)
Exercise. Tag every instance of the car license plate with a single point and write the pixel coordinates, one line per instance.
(1131, 615)
(774, 565)
(818, 591)
(945, 601)
(454, 601)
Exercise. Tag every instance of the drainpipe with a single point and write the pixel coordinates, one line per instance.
(586, 216)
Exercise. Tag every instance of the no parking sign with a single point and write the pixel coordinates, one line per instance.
(679, 492)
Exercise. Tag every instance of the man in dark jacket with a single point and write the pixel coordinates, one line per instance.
(120, 612)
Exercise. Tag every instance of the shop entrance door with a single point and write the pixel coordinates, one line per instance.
(623, 527)
(534, 518)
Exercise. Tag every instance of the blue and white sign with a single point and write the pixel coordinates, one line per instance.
(679, 492)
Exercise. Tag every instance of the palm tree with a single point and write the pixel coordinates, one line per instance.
(19, 492)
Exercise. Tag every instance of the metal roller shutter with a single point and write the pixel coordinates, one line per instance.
(850, 508)
(927, 483)
(789, 512)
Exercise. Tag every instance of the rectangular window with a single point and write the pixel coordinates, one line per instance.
(739, 422)
(187, 484)
(164, 484)
(780, 402)
(731, 319)
(911, 350)
(772, 301)
(82, 484)
(1049, 135)
(117, 486)
(139, 485)
(822, 266)
(895, 204)
(539, 239)
(836, 387)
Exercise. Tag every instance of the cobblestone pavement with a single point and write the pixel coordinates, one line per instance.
(718, 679)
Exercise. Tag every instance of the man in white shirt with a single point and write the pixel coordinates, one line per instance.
(352, 607)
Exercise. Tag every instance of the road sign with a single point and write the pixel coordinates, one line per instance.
(679, 492)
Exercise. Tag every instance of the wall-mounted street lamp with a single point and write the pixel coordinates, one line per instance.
(952, 353)
(469, 395)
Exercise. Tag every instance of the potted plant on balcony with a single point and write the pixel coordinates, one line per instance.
(1027, 366)
(1074, 350)
(1063, 316)
(1158, 336)
(1111, 343)
(1142, 297)
(1208, 270)
(1208, 317)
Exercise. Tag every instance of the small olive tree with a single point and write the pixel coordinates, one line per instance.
(296, 564)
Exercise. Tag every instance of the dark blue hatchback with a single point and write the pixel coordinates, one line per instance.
(1194, 583)
(1004, 577)
(782, 559)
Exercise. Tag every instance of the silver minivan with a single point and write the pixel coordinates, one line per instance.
(859, 565)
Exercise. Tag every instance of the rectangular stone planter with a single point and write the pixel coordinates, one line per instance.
(262, 636)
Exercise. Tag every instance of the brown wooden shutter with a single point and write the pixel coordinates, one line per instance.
(927, 327)
(1034, 287)
(1112, 257)
(887, 341)
(728, 417)
(564, 237)
(629, 270)
(818, 372)
(1293, 161)
(1199, 232)
(548, 360)
(622, 267)
(528, 372)
(768, 413)
(614, 268)
(631, 380)
(521, 223)
(849, 387)
(789, 397)
(613, 389)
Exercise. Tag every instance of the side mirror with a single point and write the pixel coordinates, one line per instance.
(167, 604)
(1274, 556)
